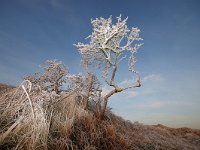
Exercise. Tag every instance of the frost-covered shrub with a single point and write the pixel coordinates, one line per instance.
(109, 44)
(52, 79)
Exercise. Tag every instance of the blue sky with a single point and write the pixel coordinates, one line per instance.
(32, 31)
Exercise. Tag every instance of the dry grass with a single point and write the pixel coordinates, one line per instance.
(5, 88)
(42, 120)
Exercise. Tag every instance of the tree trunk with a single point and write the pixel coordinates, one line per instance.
(116, 90)
(90, 82)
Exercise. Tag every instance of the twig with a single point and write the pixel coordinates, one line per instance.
(30, 102)
(4, 135)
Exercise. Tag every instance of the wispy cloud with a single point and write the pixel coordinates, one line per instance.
(125, 82)
(131, 94)
(153, 78)
(154, 104)
(151, 84)
(164, 104)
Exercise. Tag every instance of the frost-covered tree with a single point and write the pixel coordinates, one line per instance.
(87, 86)
(52, 78)
(109, 44)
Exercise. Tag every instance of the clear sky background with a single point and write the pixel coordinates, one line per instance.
(32, 31)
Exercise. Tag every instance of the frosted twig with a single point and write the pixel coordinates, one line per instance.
(30, 102)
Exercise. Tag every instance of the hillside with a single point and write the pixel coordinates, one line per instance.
(41, 120)
(4, 87)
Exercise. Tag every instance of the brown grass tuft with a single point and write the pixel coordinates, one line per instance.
(44, 120)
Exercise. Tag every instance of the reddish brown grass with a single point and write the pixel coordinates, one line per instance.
(60, 122)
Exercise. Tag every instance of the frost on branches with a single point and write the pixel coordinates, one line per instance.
(87, 87)
(52, 79)
(109, 44)
(56, 80)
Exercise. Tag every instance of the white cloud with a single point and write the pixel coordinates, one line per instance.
(165, 104)
(131, 93)
(153, 78)
(154, 104)
(125, 82)
(151, 84)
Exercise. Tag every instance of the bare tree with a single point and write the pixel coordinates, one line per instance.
(108, 45)
(87, 86)
(53, 77)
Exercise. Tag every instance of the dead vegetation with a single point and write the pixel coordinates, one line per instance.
(46, 120)
(55, 110)
(41, 114)
(5, 88)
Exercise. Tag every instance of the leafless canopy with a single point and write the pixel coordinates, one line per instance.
(53, 77)
(109, 44)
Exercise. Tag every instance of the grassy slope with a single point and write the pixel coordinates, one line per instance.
(62, 123)
(4, 87)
